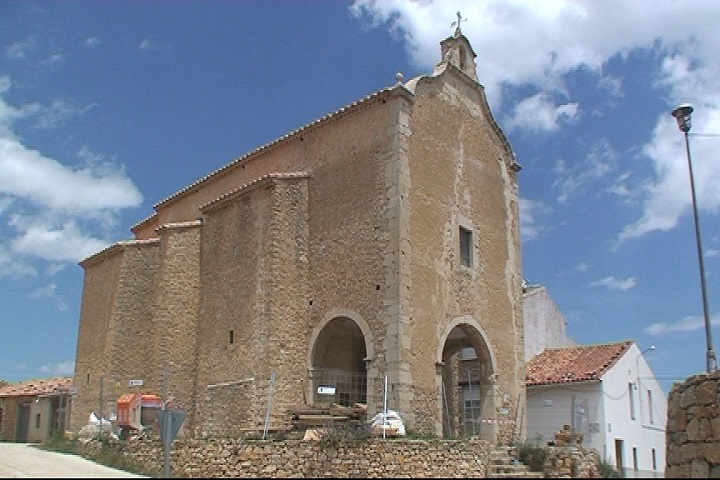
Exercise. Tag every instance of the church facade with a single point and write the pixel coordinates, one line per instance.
(377, 242)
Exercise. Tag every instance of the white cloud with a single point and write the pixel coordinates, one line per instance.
(62, 243)
(20, 50)
(50, 292)
(44, 182)
(583, 267)
(14, 267)
(612, 84)
(92, 42)
(534, 45)
(53, 59)
(539, 113)
(530, 213)
(686, 324)
(62, 368)
(578, 176)
(54, 211)
(614, 283)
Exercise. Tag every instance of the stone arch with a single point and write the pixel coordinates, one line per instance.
(339, 355)
(466, 382)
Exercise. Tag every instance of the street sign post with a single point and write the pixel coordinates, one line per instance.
(170, 422)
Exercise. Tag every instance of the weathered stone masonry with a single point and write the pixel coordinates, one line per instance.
(693, 428)
(333, 251)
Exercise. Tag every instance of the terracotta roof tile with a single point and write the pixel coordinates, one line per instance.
(582, 363)
(43, 386)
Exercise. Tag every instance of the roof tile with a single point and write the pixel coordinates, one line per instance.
(581, 363)
(43, 386)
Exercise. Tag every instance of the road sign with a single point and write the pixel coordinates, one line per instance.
(170, 422)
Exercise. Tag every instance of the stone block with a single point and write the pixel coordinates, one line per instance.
(699, 468)
(688, 398)
(706, 392)
(710, 452)
(688, 453)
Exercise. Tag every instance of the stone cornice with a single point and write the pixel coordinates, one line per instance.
(179, 225)
(229, 196)
(114, 249)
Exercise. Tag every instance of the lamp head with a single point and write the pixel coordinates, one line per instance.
(682, 115)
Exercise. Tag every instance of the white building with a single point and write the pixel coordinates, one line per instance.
(608, 393)
(545, 326)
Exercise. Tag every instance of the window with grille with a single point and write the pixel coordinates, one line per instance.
(465, 247)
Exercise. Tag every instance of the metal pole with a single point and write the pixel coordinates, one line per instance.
(711, 360)
(447, 410)
(472, 410)
(385, 407)
(101, 408)
(269, 406)
(168, 430)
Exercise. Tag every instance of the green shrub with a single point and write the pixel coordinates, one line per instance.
(533, 455)
(607, 470)
(334, 435)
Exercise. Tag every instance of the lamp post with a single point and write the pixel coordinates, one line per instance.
(682, 115)
(637, 375)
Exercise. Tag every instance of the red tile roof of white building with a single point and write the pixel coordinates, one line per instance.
(574, 364)
(31, 388)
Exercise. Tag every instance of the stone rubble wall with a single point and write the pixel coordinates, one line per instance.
(302, 459)
(572, 462)
(693, 428)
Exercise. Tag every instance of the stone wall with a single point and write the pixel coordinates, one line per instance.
(295, 458)
(572, 462)
(693, 428)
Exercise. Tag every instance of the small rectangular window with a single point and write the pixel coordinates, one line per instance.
(232, 336)
(465, 247)
(635, 461)
(37, 421)
(632, 401)
(650, 407)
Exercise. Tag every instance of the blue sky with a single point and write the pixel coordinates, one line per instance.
(108, 107)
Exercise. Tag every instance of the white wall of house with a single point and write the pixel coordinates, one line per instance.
(628, 417)
(40, 419)
(543, 322)
(576, 404)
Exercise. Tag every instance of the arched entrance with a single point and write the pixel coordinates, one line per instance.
(338, 363)
(466, 377)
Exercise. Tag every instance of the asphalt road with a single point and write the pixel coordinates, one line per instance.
(21, 460)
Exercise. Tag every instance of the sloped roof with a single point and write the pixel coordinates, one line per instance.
(582, 363)
(31, 388)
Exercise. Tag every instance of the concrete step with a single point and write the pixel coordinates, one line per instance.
(504, 463)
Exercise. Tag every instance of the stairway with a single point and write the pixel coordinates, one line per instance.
(504, 464)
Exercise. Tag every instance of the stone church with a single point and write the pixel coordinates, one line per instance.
(381, 241)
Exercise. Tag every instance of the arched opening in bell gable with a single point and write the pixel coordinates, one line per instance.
(467, 385)
(338, 368)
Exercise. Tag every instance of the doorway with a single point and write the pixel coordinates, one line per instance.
(619, 447)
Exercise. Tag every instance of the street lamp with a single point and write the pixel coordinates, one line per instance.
(682, 115)
(638, 384)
